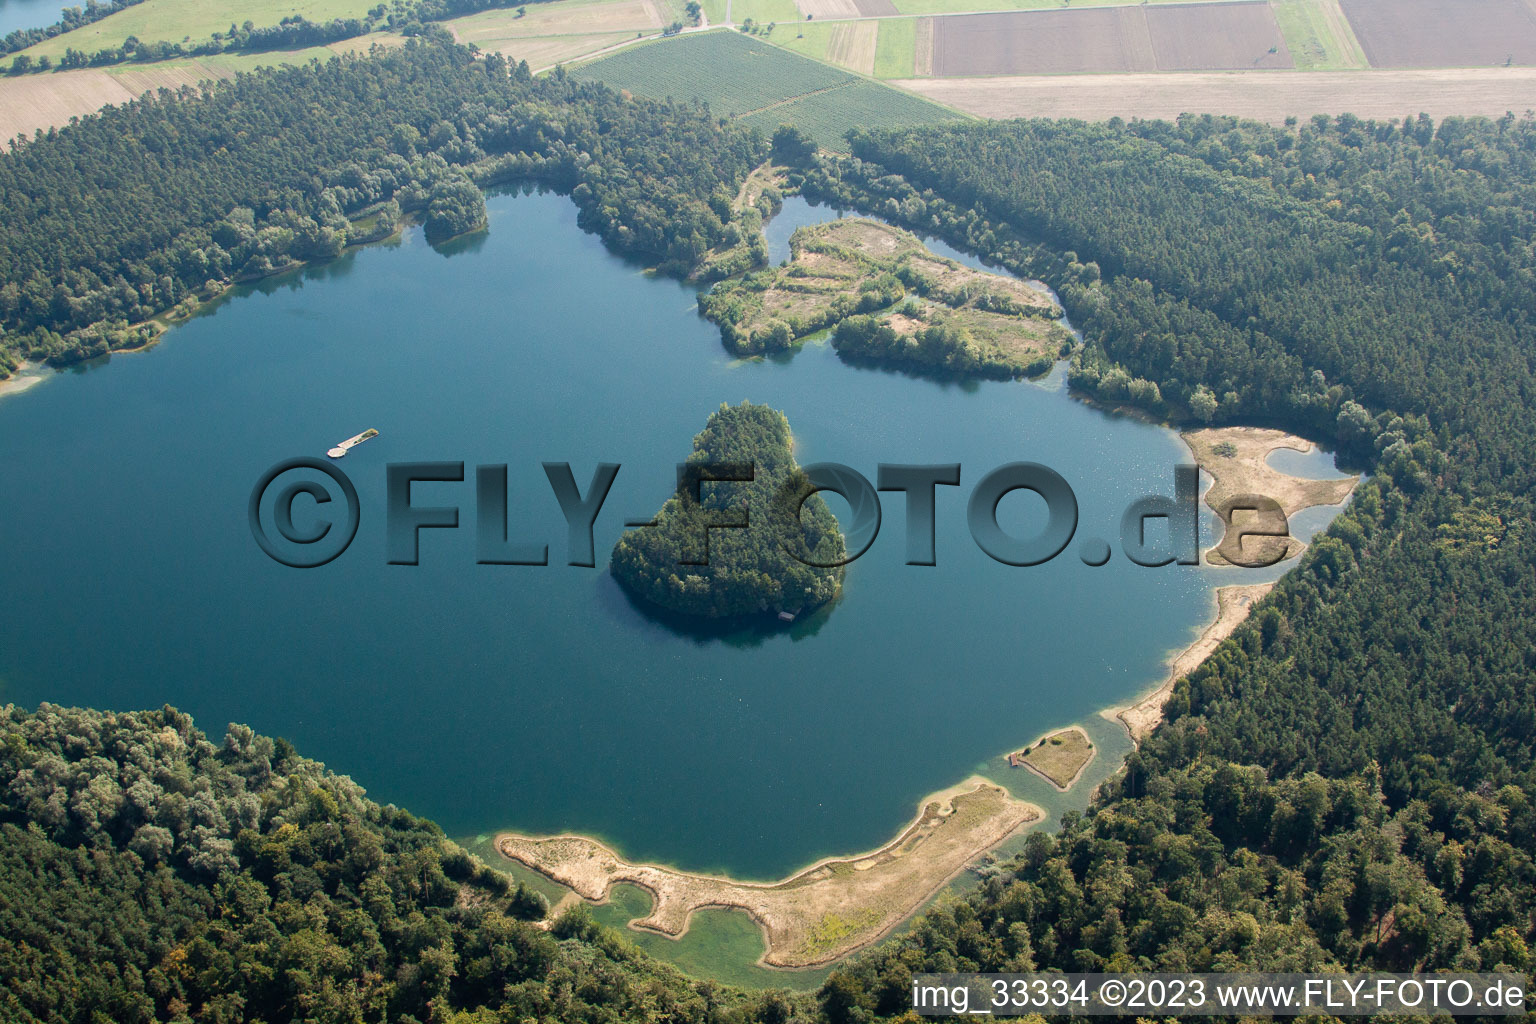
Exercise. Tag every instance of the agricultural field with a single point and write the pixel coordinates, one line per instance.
(1444, 33)
(896, 48)
(814, 39)
(1264, 96)
(721, 12)
(1175, 37)
(918, 7)
(550, 34)
(190, 21)
(829, 9)
(735, 73)
(827, 116)
(764, 85)
(32, 102)
(922, 47)
(1205, 37)
(491, 30)
(852, 45)
(1318, 35)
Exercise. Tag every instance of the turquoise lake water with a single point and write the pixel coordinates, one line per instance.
(540, 698)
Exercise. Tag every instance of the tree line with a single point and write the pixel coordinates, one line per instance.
(70, 18)
(407, 17)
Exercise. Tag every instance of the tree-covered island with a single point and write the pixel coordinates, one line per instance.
(750, 569)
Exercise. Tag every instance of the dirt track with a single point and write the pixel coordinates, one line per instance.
(1262, 95)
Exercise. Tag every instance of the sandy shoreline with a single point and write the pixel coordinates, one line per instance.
(26, 375)
(1243, 471)
(838, 905)
(1233, 603)
(820, 913)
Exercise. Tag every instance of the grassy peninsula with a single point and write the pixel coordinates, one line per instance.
(851, 274)
(750, 570)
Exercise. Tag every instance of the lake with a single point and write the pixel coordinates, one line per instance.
(15, 14)
(541, 698)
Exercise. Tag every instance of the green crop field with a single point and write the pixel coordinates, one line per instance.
(1318, 35)
(827, 116)
(808, 37)
(896, 48)
(175, 21)
(733, 72)
(764, 85)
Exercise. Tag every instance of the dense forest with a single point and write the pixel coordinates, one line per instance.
(684, 563)
(161, 203)
(148, 874)
(938, 349)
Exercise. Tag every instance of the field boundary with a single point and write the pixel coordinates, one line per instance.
(1269, 96)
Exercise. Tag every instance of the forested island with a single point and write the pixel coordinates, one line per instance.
(750, 569)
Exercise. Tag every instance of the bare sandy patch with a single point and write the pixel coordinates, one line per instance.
(25, 376)
(821, 913)
(1269, 96)
(1232, 606)
(1237, 458)
(763, 176)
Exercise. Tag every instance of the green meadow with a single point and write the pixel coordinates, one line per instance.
(190, 21)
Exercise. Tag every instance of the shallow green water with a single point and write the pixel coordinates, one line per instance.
(540, 698)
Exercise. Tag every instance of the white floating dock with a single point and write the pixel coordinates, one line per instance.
(352, 442)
